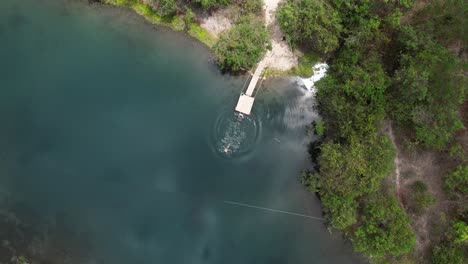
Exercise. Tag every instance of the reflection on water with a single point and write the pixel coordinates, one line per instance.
(109, 141)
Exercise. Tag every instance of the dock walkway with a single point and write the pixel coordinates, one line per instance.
(247, 99)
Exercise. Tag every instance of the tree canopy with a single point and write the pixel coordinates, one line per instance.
(386, 228)
(240, 48)
(312, 23)
(207, 4)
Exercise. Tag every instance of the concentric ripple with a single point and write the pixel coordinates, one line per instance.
(234, 136)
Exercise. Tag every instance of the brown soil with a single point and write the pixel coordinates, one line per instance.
(429, 167)
(280, 58)
(418, 6)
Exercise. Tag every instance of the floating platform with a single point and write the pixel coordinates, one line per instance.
(245, 104)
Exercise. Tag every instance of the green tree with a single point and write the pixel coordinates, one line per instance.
(240, 48)
(341, 210)
(351, 96)
(420, 199)
(456, 183)
(319, 127)
(167, 7)
(250, 6)
(427, 91)
(386, 229)
(349, 172)
(207, 4)
(312, 23)
(447, 252)
(459, 231)
(446, 20)
(188, 18)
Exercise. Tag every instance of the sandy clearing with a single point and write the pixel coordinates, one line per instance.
(280, 58)
(217, 23)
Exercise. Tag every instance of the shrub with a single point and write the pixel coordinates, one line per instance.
(447, 252)
(386, 229)
(188, 18)
(420, 199)
(319, 127)
(459, 232)
(240, 48)
(456, 183)
(250, 6)
(427, 91)
(207, 4)
(167, 7)
(310, 22)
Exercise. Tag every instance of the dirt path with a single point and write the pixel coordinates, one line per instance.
(281, 56)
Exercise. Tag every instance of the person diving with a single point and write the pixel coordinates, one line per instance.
(226, 149)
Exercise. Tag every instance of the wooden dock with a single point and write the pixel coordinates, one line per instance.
(247, 99)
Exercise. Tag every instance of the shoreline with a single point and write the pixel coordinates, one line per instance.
(294, 63)
(175, 23)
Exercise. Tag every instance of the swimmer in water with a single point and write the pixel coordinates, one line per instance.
(226, 149)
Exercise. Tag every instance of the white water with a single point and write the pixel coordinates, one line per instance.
(320, 70)
(302, 112)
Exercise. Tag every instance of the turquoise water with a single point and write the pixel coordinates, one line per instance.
(115, 129)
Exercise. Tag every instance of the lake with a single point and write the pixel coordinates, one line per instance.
(113, 134)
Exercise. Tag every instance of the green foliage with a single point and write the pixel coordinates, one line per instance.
(341, 210)
(445, 19)
(22, 260)
(457, 153)
(380, 68)
(427, 91)
(420, 199)
(319, 127)
(355, 168)
(351, 96)
(447, 252)
(167, 7)
(188, 18)
(243, 46)
(452, 248)
(310, 22)
(250, 6)
(306, 64)
(456, 183)
(386, 229)
(350, 171)
(207, 4)
(309, 180)
(459, 232)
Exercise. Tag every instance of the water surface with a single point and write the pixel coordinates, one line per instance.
(117, 128)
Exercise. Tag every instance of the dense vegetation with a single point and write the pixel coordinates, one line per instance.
(381, 68)
(242, 46)
(312, 23)
(206, 4)
(453, 246)
(427, 91)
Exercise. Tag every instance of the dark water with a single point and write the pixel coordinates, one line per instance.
(118, 128)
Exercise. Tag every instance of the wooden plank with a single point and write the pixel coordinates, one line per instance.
(255, 77)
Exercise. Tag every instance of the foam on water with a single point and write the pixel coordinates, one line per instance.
(320, 70)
